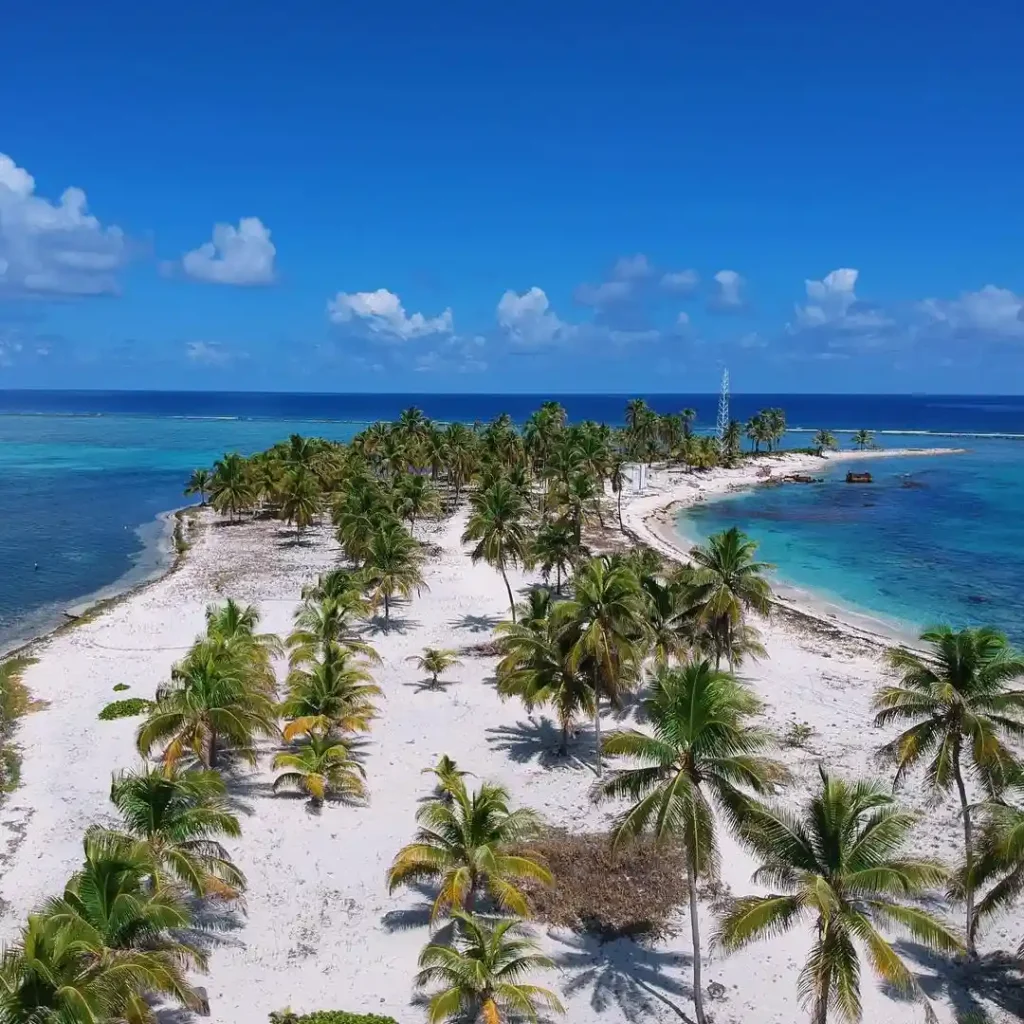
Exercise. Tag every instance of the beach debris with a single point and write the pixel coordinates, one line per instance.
(858, 478)
(802, 478)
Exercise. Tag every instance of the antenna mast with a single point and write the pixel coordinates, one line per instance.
(723, 405)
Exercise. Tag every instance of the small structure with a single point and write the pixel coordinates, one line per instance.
(858, 478)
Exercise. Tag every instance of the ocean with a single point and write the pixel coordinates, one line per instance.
(84, 477)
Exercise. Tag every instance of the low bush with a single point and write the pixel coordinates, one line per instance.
(125, 708)
(121, 687)
(633, 891)
(329, 1017)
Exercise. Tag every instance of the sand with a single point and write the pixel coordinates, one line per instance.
(319, 929)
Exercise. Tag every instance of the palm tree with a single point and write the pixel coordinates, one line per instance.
(962, 712)
(46, 979)
(231, 489)
(863, 438)
(434, 661)
(481, 975)
(207, 705)
(324, 626)
(111, 915)
(824, 439)
(199, 483)
(466, 844)
(498, 525)
(536, 666)
(334, 692)
(618, 478)
(392, 566)
(602, 627)
(322, 768)
(727, 583)
(732, 441)
(999, 864)
(839, 867)
(232, 629)
(174, 819)
(688, 416)
(579, 498)
(704, 746)
(415, 497)
(555, 548)
(300, 498)
(448, 774)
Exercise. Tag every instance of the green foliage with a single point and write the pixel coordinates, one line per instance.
(121, 687)
(329, 1017)
(127, 708)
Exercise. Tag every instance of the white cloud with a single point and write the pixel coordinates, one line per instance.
(626, 277)
(603, 294)
(832, 308)
(729, 292)
(528, 320)
(53, 248)
(382, 313)
(828, 299)
(681, 281)
(993, 312)
(240, 256)
(207, 353)
(631, 268)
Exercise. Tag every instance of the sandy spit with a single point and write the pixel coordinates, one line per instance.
(319, 930)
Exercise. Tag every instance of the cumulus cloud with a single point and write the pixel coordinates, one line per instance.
(835, 314)
(991, 313)
(239, 256)
(627, 274)
(682, 282)
(383, 315)
(528, 319)
(728, 295)
(51, 248)
(631, 268)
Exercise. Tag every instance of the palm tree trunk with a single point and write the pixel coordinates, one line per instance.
(387, 610)
(508, 587)
(563, 747)
(698, 991)
(597, 733)
(211, 750)
(821, 1004)
(558, 577)
(965, 810)
(621, 527)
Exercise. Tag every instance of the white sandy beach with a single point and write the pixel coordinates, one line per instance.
(320, 930)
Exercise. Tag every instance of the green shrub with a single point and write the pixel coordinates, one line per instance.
(329, 1017)
(120, 687)
(125, 708)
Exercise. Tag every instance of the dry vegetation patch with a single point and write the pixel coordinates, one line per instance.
(632, 891)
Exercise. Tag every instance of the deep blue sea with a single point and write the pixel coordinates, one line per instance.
(84, 475)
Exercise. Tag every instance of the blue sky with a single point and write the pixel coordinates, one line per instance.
(530, 197)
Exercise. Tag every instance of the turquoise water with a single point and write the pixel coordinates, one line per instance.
(932, 539)
(80, 496)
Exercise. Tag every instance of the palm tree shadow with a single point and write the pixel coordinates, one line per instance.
(534, 741)
(971, 988)
(429, 686)
(634, 977)
(476, 623)
(409, 918)
(396, 624)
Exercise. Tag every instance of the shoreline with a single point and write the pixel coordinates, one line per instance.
(157, 558)
(652, 519)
